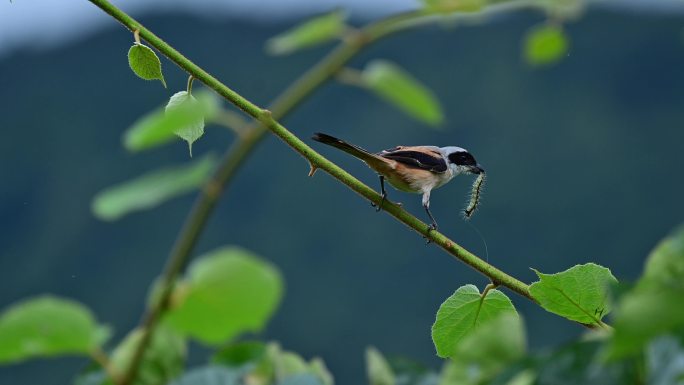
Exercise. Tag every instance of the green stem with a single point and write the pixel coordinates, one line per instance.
(490, 286)
(189, 87)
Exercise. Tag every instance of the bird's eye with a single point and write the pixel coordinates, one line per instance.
(462, 158)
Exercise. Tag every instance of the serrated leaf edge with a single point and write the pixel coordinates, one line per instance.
(543, 276)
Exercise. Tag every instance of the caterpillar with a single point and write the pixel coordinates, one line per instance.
(474, 196)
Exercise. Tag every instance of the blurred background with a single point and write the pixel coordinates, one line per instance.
(584, 164)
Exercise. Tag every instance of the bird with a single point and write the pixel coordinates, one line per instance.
(412, 169)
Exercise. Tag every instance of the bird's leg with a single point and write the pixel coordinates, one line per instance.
(426, 204)
(383, 193)
(433, 225)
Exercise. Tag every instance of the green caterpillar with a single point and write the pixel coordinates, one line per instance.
(474, 196)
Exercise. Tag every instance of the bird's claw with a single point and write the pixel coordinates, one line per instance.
(432, 226)
(378, 207)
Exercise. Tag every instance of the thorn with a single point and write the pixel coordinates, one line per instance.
(312, 169)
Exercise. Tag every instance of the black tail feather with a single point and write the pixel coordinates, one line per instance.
(325, 138)
(342, 145)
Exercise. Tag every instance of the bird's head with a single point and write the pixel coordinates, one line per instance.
(461, 160)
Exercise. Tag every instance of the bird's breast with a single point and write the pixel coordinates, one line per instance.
(416, 180)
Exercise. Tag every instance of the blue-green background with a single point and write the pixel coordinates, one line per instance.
(584, 163)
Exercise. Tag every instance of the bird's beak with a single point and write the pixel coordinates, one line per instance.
(477, 169)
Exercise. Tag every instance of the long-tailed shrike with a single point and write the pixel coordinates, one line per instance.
(414, 169)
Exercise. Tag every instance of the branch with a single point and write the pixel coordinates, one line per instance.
(102, 359)
(247, 141)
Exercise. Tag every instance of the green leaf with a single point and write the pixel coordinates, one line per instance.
(653, 307)
(487, 350)
(145, 63)
(183, 102)
(263, 372)
(545, 44)
(289, 364)
(276, 366)
(183, 116)
(239, 354)
(312, 32)
(643, 315)
(462, 313)
(579, 293)
(48, 326)
(665, 264)
(151, 189)
(226, 292)
(210, 375)
(398, 87)
(378, 370)
(162, 361)
(449, 6)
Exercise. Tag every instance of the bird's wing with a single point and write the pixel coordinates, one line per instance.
(421, 157)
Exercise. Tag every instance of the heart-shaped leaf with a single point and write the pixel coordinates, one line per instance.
(463, 312)
(226, 292)
(183, 116)
(184, 103)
